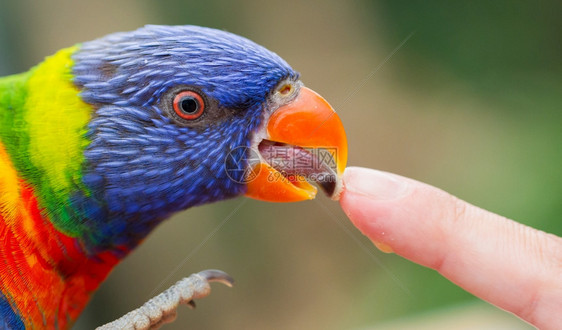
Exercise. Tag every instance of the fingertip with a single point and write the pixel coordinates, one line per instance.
(367, 216)
(396, 211)
(377, 185)
(369, 200)
(369, 195)
(352, 206)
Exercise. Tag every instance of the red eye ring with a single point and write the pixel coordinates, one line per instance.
(188, 105)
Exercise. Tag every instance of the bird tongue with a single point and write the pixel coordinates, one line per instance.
(297, 163)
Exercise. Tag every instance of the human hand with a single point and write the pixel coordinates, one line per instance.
(510, 265)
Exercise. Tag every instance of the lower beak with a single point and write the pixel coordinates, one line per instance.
(305, 140)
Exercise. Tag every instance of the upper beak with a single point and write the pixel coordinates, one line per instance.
(302, 128)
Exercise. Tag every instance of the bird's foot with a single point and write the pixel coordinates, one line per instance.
(162, 308)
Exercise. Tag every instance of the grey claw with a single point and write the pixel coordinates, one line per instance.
(215, 275)
(162, 308)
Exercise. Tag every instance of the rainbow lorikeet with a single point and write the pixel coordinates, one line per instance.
(102, 141)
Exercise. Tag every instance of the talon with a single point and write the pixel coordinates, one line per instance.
(162, 308)
(215, 275)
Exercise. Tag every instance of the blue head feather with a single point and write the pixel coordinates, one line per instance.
(140, 165)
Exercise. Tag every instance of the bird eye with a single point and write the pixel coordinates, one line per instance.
(188, 105)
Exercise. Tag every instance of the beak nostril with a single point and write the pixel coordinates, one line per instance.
(286, 89)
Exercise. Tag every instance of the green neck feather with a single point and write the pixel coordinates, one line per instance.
(43, 123)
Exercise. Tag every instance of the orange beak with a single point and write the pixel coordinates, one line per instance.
(309, 123)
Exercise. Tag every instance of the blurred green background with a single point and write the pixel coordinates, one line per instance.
(471, 103)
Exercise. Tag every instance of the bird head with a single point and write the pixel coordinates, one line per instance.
(186, 115)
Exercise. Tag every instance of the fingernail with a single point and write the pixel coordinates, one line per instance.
(374, 184)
